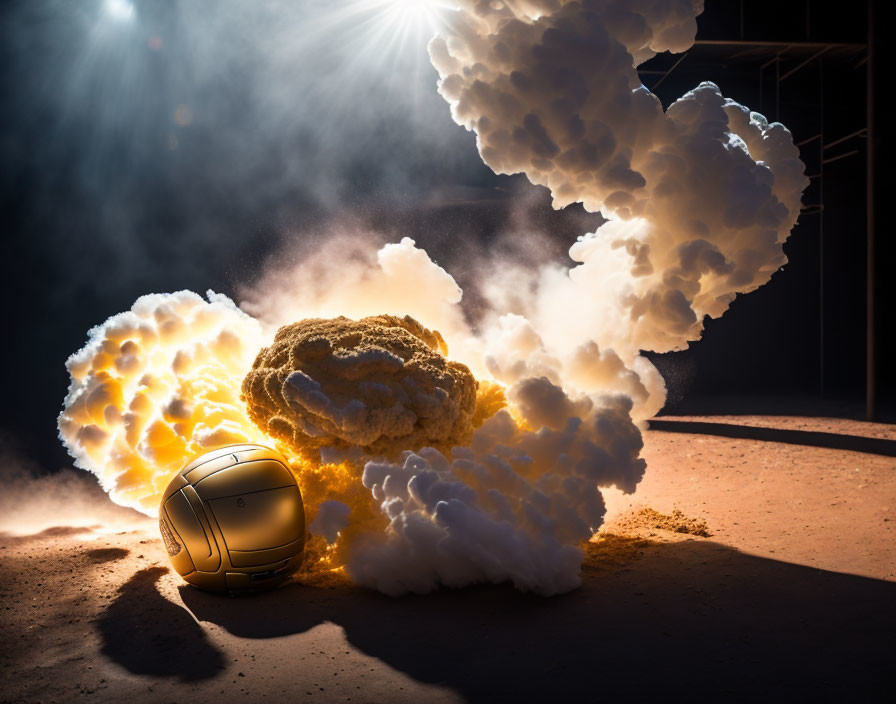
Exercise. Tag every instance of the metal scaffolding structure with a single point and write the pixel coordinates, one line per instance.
(787, 58)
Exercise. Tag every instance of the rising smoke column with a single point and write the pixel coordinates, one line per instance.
(700, 197)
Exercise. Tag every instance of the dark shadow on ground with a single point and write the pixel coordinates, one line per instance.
(836, 441)
(809, 406)
(100, 555)
(693, 620)
(148, 635)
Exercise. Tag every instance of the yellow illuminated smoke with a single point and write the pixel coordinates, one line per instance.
(155, 386)
(413, 473)
(369, 388)
(334, 482)
(159, 384)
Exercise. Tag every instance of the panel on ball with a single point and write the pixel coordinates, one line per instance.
(244, 478)
(256, 558)
(187, 526)
(260, 520)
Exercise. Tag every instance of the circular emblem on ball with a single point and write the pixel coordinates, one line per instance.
(232, 520)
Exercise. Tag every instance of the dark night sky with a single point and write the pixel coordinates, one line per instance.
(186, 148)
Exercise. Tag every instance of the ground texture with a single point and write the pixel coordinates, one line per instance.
(756, 560)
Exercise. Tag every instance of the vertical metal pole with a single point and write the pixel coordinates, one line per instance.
(761, 71)
(821, 227)
(778, 88)
(870, 342)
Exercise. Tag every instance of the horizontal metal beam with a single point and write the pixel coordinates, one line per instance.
(843, 139)
(840, 156)
(806, 62)
(810, 139)
(795, 45)
(666, 75)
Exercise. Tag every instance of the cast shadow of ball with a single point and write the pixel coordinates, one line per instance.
(686, 619)
(148, 635)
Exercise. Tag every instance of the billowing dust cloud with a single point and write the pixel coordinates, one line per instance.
(380, 384)
(63, 502)
(153, 387)
(478, 452)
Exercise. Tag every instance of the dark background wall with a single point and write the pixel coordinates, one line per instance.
(189, 147)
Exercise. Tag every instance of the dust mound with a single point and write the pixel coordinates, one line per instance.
(609, 550)
(381, 384)
(676, 522)
(629, 536)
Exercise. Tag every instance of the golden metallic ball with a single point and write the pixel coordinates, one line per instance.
(233, 521)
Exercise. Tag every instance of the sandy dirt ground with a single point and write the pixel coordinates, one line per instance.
(775, 579)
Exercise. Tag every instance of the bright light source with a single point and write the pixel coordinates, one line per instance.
(120, 9)
(405, 15)
(415, 9)
(384, 31)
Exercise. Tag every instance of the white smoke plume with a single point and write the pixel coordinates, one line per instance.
(700, 197)
(699, 200)
(348, 275)
(512, 507)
